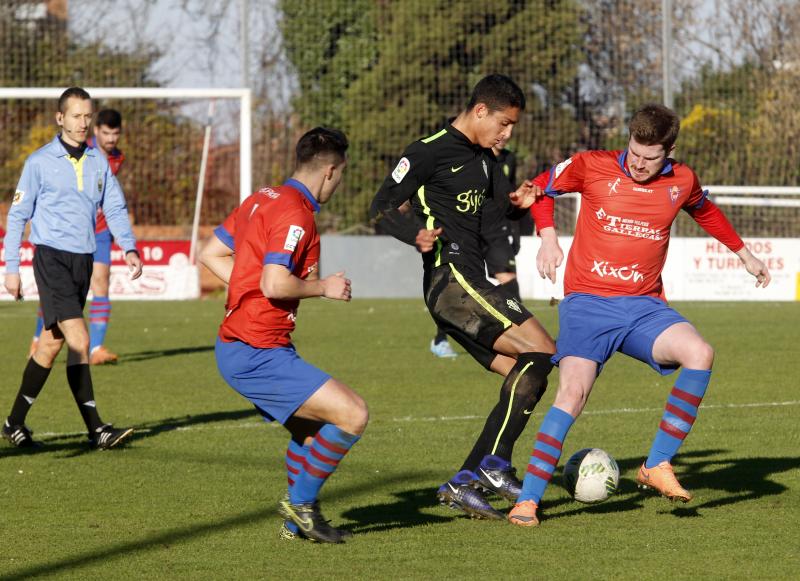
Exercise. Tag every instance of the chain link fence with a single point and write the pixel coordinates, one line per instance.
(390, 71)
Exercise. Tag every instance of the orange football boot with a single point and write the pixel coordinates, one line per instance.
(524, 514)
(662, 479)
(102, 356)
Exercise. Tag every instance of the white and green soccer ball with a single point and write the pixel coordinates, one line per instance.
(591, 475)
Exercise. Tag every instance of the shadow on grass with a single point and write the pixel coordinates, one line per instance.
(75, 445)
(157, 354)
(405, 512)
(734, 479)
(186, 534)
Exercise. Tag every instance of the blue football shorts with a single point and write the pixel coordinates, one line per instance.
(276, 381)
(594, 327)
(103, 252)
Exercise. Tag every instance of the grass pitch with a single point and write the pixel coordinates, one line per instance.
(194, 495)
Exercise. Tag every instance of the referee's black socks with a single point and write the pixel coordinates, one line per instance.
(80, 382)
(33, 380)
(521, 391)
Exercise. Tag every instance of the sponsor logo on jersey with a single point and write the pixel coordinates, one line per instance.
(674, 192)
(628, 226)
(643, 190)
(561, 167)
(18, 196)
(612, 186)
(470, 201)
(512, 304)
(603, 269)
(454, 246)
(401, 170)
(269, 192)
(455, 169)
(293, 237)
(485, 168)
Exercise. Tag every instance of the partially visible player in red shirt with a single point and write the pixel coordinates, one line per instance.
(268, 251)
(107, 131)
(614, 296)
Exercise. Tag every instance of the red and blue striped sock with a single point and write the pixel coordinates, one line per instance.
(295, 457)
(545, 455)
(679, 415)
(99, 313)
(39, 323)
(327, 450)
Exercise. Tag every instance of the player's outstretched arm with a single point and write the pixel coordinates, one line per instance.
(277, 282)
(550, 255)
(218, 258)
(755, 267)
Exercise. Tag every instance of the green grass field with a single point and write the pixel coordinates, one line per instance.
(194, 495)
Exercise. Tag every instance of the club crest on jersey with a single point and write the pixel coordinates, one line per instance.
(18, 196)
(401, 170)
(293, 237)
(674, 192)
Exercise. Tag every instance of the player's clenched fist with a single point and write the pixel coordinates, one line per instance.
(426, 239)
(337, 287)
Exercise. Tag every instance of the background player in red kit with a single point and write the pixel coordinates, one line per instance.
(614, 297)
(107, 131)
(275, 247)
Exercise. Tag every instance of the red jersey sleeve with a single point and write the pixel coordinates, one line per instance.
(567, 176)
(226, 231)
(710, 218)
(287, 239)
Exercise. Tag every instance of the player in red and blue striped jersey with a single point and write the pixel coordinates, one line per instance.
(268, 251)
(614, 296)
(107, 131)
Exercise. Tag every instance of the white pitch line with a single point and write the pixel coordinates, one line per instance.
(252, 425)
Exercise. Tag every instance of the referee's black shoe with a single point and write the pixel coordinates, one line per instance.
(108, 436)
(310, 522)
(19, 436)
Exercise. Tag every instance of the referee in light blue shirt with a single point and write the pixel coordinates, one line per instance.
(62, 186)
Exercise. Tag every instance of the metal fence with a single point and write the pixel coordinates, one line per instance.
(390, 71)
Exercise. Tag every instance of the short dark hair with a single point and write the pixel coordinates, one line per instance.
(321, 145)
(497, 92)
(654, 124)
(76, 92)
(111, 118)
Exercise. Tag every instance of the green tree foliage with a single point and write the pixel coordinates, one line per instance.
(393, 71)
(159, 182)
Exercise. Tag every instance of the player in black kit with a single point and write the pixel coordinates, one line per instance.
(449, 178)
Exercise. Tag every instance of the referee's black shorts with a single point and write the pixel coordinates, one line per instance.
(63, 280)
(471, 309)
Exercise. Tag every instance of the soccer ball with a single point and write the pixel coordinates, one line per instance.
(591, 475)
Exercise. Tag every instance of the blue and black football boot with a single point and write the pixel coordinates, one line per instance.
(498, 476)
(459, 493)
